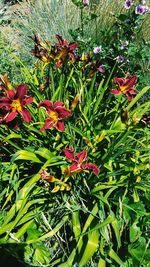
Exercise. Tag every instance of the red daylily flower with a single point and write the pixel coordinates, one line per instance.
(78, 160)
(64, 49)
(125, 86)
(15, 102)
(58, 52)
(56, 113)
(44, 51)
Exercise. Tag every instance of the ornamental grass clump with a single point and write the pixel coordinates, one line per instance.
(75, 171)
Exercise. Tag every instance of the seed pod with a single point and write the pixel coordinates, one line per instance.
(124, 115)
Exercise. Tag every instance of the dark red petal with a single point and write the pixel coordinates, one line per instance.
(132, 91)
(82, 156)
(115, 91)
(75, 167)
(91, 166)
(58, 103)
(129, 96)
(69, 153)
(63, 112)
(46, 104)
(27, 101)
(5, 99)
(61, 41)
(11, 116)
(5, 105)
(48, 124)
(26, 115)
(21, 91)
(73, 46)
(120, 81)
(131, 81)
(11, 94)
(60, 126)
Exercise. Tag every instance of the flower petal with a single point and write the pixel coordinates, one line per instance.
(61, 41)
(26, 115)
(4, 103)
(21, 91)
(91, 166)
(46, 104)
(82, 156)
(73, 46)
(58, 103)
(132, 91)
(115, 91)
(11, 94)
(69, 153)
(130, 97)
(63, 112)
(27, 101)
(120, 81)
(10, 116)
(75, 168)
(60, 126)
(131, 81)
(48, 125)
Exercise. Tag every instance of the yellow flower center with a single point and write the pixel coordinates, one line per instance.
(54, 116)
(123, 88)
(16, 105)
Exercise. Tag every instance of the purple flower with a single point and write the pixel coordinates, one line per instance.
(101, 68)
(119, 59)
(128, 4)
(86, 2)
(124, 45)
(141, 10)
(97, 49)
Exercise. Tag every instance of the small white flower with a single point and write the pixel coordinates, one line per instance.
(97, 49)
(86, 2)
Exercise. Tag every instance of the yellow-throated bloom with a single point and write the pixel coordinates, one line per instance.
(125, 86)
(15, 102)
(56, 113)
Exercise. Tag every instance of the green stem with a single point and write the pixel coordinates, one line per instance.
(82, 24)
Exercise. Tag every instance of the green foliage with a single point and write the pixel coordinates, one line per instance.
(54, 211)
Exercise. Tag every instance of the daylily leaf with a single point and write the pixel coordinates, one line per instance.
(26, 155)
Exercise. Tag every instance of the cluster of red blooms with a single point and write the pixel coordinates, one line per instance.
(63, 50)
(16, 101)
(59, 52)
(13, 102)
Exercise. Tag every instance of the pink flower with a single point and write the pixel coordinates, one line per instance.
(97, 50)
(14, 103)
(78, 160)
(141, 9)
(125, 86)
(128, 4)
(56, 113)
